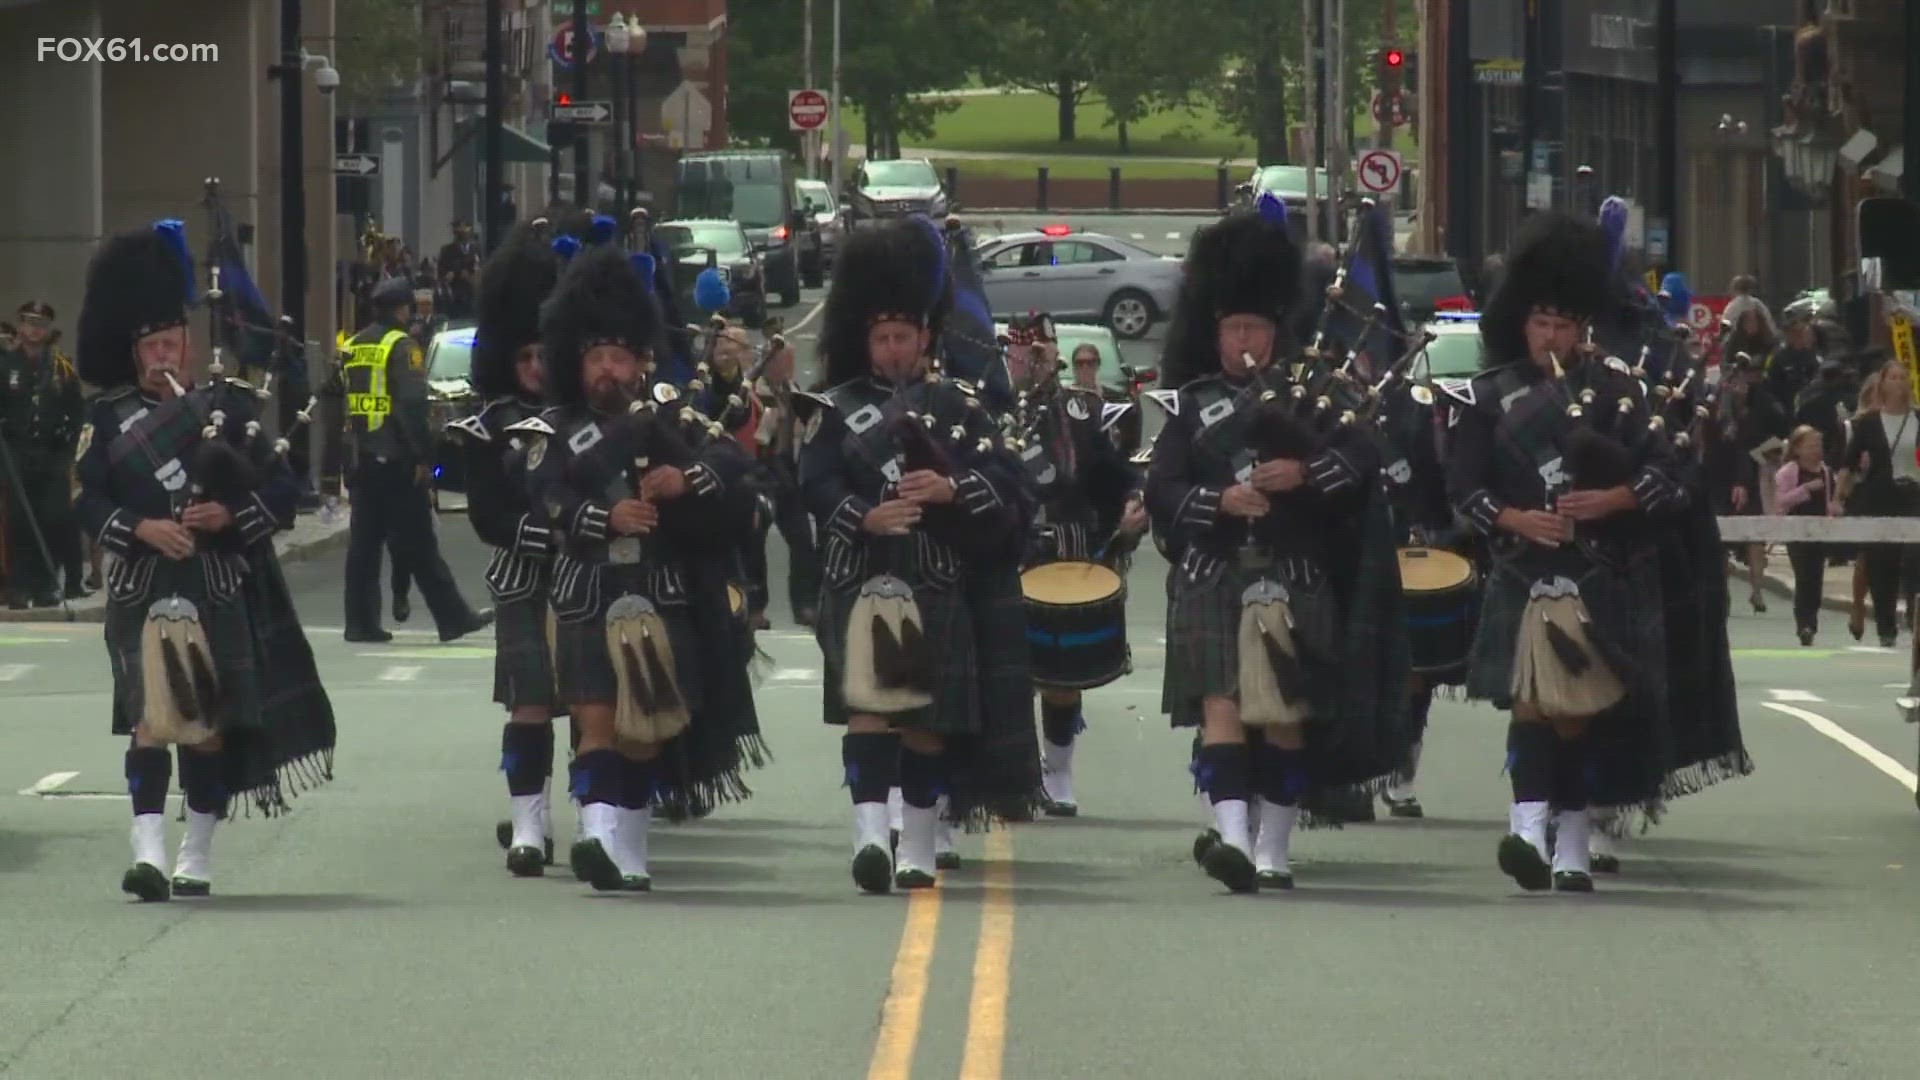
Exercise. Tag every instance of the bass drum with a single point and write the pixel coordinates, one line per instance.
(1076, 625)
(1442, 590)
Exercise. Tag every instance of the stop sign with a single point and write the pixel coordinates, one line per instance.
(806, 109)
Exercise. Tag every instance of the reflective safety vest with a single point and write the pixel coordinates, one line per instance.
(365, 371)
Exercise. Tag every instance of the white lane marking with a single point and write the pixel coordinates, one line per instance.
(1868, 649)
(1794, 695)
(14, 672)
(48, 783)
(398, 673)
(1866, 751)
(1137, 236)
(1895, 685)
(1173, 236)
(818, 307)
(796, 674)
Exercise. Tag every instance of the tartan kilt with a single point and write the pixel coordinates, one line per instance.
(582, 665)
(224, 621)
(523, 670)
(1631, 745)
(1203, 633)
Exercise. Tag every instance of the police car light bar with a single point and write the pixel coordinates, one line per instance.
(1056, 230)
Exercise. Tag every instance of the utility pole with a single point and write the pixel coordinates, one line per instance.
(838, 137)
(493, 227)
(293, 180)
(1433, 106)
(1389, 78)
(807, 149)
(1337, 123)
(582, 44)
(1313, 123)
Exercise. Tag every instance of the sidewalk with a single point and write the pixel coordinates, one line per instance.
(309, 537)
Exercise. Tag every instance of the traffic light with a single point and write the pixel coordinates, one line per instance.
(563, 98)
(1396, 68)
(1394, 58)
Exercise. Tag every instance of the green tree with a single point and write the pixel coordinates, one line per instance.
(1148, 58)
(381, 44)
(1052, 47)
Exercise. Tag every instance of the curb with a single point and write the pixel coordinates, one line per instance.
(1779, 586)
(93, 609)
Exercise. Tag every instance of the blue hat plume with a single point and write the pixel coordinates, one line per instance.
(602, 229)
(643, 265)
(710, 290)
(1272, 207)
(174, 232)
(1613, 222)
(566, 247)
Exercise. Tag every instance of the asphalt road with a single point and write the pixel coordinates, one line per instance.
(1765, 931)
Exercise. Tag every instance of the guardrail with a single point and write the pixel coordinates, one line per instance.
(1796, 529)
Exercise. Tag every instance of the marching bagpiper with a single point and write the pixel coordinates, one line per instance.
(1286, 645)
(644, 494)
(923, 514)
(182, 487)
(1553, 460)
(510, 378)
(1091, 515)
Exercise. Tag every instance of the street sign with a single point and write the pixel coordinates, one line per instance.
(1379, 171)
(560, 47)
(806, 110)
(1389, 109)
(356, 165)
(584, 112)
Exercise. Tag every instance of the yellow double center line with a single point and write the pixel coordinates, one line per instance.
(992, 971)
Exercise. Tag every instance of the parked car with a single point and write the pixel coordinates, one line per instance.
(1455, 352)
(449, 396)
(1427, 286)
(888, 189)
(696, 243)
(754, 188)
(1119, 381)
(828, 224)
(1289, 182)
(1079, 275)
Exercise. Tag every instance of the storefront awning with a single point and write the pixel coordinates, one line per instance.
(517, 146)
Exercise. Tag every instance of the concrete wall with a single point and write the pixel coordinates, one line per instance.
(50, 185)
(94, 147)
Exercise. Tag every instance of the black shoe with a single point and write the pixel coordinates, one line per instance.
(526, 862)
(1408, 807)
(368, 637)
(1888, 641)
(1806, 637)
(1605, 864)
(1520, 861)
(1572, 881)
(192, 887)
(804, 616)
(145, 881)
(45, 599)
(873, 870)
(946, 860)
(913, 879)
(1230, 866)
(1203, 844)
(479, 620)
(77, 591)
(402, 609)
(593, 865)
(1273, 879)
(1062, 809)
(16, 603)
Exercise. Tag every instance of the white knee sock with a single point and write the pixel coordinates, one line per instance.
(195, 861)
(150, 840)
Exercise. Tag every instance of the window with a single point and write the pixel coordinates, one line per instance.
(899, 174)
(689, 240)
(1075, 252)
(1019, 255)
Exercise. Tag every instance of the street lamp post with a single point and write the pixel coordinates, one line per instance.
(582, 48)
(619, 40)
(293, 188)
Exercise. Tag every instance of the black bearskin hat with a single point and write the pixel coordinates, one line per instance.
(1244, 264)
(138, 283)
(1560, 264)
(513, 283)
(600, 300)
(890, 272)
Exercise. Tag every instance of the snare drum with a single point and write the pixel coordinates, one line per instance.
(1076, 625)
(1442, 589)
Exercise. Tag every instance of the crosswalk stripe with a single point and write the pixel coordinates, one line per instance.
(399, 673)
(1173, 236)
(1794, 695)
(1137, 236)
(14, 672)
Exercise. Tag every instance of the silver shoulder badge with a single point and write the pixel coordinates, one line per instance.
(86, 440)
(1166, 399)
(532, 425)
(471, 425)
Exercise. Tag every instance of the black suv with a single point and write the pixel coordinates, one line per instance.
(696, 243)
(754, 188)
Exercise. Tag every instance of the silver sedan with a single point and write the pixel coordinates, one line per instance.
(1079, 275)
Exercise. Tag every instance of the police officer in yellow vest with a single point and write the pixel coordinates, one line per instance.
(384, 371)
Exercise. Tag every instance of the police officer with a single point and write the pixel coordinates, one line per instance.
(41, 411)
(384, 371)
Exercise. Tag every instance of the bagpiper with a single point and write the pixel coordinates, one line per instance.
(642, 495)
(179, 484)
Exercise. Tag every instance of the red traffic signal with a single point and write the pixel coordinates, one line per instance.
(1395, 58)
(563, 99)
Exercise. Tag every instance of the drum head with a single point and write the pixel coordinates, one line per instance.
(1425, 569)
(1069, 583)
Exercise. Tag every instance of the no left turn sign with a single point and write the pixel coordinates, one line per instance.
(1379, 171)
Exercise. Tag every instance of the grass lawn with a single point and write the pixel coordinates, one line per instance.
(1071, 168)
(1026, 123)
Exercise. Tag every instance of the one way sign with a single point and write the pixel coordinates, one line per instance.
(356, 165)
(584, 112)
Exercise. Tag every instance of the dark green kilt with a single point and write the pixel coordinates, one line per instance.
(581, 660)
(983, 690)
(223, 620)
(1631, 744)
(1203, 634)
(522, 664)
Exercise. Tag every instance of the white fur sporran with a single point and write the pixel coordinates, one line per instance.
(889, 662)
(1273, 683)
(650, 707)
(1557, 671)
(179, 685)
